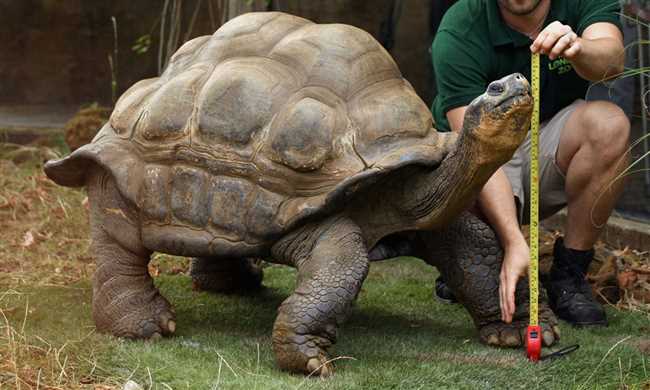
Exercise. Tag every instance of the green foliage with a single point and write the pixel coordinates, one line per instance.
(142, 44)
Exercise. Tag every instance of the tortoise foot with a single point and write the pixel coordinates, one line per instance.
(320, 366)
(304, 354)
(513, 335)
(226, 276)
(136, 314)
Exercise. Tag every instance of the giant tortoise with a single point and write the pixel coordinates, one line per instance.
(303, 144)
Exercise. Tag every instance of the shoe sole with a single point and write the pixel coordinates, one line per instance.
(579, 324)
(444, 300)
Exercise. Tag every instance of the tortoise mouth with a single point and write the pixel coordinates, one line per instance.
(520, 99)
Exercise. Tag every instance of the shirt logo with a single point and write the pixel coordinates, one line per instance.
(560, 66)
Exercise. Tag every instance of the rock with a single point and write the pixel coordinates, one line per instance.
(131, 385)
(81, 129)
(20, 154)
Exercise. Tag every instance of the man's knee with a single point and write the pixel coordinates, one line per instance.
(606, 130)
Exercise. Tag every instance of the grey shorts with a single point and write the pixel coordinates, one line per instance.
(552, 197)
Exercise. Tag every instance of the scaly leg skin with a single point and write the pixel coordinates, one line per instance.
(332, 263)
(468, 255)
(226, 276)
(125, 301)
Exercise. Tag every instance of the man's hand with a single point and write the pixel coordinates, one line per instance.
(557, 40)
(515, 265)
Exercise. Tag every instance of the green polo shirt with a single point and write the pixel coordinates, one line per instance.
(474, 46)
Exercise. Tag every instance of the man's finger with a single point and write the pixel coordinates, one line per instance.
(538, 41)
(573, 50)
(541, 36)
(549, 42)
(502, 296)
(560, 46)
(512, 283)
(504, 304)
(555, 31)
(506, 317)
(501, 299)
(573, 36)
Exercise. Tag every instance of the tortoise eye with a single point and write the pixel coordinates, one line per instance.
(495, 89)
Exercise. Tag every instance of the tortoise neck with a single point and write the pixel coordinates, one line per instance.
(426, 198)
(441, 194)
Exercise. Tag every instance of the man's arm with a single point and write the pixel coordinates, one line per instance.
(596, 55)
(496, 202)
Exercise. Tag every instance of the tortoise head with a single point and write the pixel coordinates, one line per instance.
(494, 126)
(499, 119)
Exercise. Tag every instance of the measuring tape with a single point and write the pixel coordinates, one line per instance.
(534, 332)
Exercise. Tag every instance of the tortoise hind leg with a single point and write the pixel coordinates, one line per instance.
(468, 255)
(125, 301)
(226, 276)
(332, 263)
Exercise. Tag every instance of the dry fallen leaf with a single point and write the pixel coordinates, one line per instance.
(154, 270)
(28, 239)
(626, 279)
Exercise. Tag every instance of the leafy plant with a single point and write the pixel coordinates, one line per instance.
(142, 44)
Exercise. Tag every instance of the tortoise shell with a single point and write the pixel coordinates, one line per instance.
(270, 120)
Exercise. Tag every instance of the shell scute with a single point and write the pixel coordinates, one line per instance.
(129, 106)
(185, 56)
(372, 67)
(155, 192)
(261, 218)
(239, 99)
(301, 136)
(169, 108)
(390, 117)
(230, 200)
(336, 56)
(189, 200)
(251, 34)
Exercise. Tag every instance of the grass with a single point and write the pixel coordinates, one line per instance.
(397, 336)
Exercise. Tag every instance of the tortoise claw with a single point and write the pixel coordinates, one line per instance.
(513, 335)
(320, 366)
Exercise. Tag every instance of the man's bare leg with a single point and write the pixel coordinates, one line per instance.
(591, 154)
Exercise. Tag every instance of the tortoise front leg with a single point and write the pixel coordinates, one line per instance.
(332, 264)
(468, 255)
(125, 301)
(225, 276)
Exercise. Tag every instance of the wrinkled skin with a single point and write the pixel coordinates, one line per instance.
(468, 255)
(316, 194)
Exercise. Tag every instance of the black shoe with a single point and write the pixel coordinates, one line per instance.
(443, 293)
(395, 245)
(569, 294)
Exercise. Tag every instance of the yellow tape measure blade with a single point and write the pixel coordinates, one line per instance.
(533, 274)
